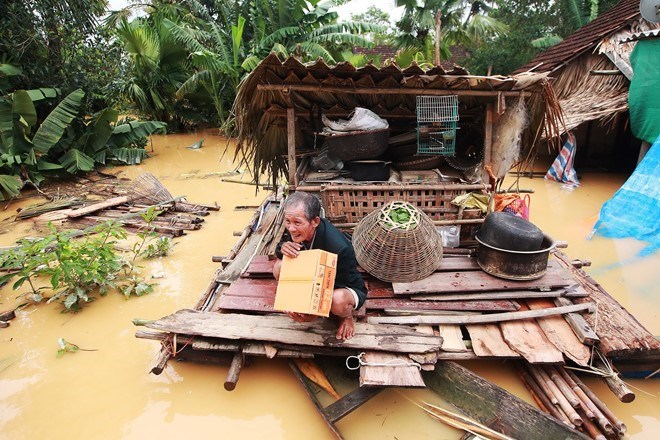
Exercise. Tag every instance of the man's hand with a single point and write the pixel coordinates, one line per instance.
(291, 249)
(301, 317)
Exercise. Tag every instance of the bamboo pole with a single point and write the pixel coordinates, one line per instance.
(383, 90)
(541, 397)
(590, 408)
(563, 403)
(563, 387)
(393, 187)
(620, 426)
(592, 429)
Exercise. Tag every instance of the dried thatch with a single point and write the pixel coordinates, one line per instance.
(315, 89)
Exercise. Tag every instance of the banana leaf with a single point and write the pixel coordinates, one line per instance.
(9, 186)
(52, 129)
(75, 160)
(125, 135)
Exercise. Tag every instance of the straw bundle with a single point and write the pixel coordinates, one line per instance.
(397, 251)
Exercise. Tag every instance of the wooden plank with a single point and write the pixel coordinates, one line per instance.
(255, 288)
(487, 341)
(511, 294)
(457, 264)
(479, 319)
(350, 402)
(312, 395)
(621, 335)
(245, 303)
(560, 333)
(479, 281)
(579, 325)
(260, 267)
(486, 402)
(406, 304)
(427, 360)
(74, 213)
(389, 369)
(280, 328)
(378, 289)
(452, 338)
(527, 338)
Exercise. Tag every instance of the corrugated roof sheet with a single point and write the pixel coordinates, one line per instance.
(585, 38)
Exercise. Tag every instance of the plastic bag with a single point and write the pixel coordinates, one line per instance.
(513, 204)
(362, 119)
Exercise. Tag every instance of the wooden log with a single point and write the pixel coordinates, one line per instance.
(4, 324)
(479, 319)
(7, 315)
(615, 384)
(234, 371)
(74, 213)
(619, 425)
(485, 402)
(582, 330)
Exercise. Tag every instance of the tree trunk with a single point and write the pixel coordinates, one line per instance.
(438, 28)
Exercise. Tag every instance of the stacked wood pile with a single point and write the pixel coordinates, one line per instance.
(175, 215)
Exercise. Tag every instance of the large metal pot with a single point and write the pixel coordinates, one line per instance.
(374, 170)
(515, 265)
(507, 231)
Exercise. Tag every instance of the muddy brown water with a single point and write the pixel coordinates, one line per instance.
(109, 394)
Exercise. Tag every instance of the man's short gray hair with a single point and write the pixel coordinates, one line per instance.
(310, 203)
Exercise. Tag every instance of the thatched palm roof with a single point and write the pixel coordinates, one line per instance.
(313, 89)
(578, 65)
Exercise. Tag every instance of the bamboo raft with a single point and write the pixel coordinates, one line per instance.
(408, 334)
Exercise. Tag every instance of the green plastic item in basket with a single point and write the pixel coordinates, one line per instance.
(397, 243)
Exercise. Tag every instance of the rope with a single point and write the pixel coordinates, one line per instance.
(390, 363)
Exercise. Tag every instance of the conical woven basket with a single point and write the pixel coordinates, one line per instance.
(396, 252)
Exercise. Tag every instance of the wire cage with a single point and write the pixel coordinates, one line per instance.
(397, 251)
(436, 124)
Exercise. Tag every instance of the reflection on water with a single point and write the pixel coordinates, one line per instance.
(108, 393)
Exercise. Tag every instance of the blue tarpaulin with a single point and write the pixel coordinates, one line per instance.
(634, 210)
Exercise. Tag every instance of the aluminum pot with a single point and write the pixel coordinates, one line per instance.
(515, 265)
(507, 231)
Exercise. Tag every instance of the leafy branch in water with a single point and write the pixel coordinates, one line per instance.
(68, 347)
(79, 267)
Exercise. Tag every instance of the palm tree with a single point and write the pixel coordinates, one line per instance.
(444, 20)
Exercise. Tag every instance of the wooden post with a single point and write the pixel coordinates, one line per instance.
(488, 140)
(616, 385)
(291, 142)
(234, 371)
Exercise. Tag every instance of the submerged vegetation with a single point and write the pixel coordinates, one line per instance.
(78, 268)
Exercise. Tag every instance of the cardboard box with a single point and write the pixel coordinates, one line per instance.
(306, 283)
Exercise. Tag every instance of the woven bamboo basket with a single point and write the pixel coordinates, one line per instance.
(396, 252)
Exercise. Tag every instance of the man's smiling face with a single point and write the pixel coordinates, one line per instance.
(296, 222)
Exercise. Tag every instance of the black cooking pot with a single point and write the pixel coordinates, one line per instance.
(515, 265)
(507, 231)
(375, 170)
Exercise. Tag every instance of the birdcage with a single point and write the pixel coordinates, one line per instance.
(436, 124)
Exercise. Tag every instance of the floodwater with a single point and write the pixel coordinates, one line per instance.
(109, 394)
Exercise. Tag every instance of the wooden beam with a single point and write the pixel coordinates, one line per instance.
(291, 144)
(384, 90)
(477, 319)
(580, 327)
(350, 402)
(488, 140)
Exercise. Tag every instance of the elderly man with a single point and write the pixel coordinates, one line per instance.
(305, 229)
